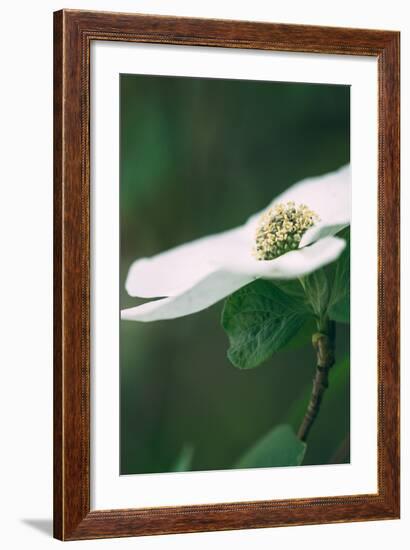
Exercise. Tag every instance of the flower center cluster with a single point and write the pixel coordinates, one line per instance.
(281, 228)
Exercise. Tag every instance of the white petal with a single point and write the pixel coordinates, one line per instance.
(290, 265)
(328, 195)
(203, 294)
(170, 272)
(319, 231)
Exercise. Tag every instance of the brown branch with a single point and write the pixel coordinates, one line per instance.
(324, 346)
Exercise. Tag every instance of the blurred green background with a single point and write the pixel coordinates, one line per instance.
(199, 156)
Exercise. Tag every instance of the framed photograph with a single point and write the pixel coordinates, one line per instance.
(226, 288)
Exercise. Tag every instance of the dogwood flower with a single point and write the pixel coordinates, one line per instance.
(293, 237)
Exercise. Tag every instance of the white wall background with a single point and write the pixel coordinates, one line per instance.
(26, 270)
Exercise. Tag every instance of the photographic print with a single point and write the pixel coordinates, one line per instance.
(235, 274)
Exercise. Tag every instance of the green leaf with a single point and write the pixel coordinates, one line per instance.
(292, 287)
(280, 447)
(304, 335)
(340, 311)
(317, 291)
(339, 302)
(184, 460)
(260, 320)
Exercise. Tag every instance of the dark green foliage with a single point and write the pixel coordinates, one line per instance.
(280, 447)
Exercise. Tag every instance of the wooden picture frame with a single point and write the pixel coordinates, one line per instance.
(74, 32)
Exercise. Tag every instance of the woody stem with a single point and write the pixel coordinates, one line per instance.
(324, 344)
